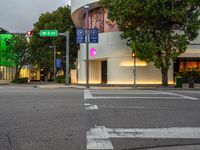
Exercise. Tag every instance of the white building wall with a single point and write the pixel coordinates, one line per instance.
(119, 62)
(76, 4)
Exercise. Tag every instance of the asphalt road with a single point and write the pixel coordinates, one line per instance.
(74, 119)
(41, 119)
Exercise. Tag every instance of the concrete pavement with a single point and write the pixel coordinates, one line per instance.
(190, 147)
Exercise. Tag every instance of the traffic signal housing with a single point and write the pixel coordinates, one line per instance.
(31, 33)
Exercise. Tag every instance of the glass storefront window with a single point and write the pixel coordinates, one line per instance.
(189, 65)
(181, 66)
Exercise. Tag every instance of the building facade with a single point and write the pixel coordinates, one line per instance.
(7, 65)
(113, 63)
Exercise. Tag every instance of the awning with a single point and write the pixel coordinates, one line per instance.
(189, 55)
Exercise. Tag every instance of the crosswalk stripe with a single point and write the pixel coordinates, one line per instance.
(99, 137)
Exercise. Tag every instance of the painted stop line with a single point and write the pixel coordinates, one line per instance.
(99, 137)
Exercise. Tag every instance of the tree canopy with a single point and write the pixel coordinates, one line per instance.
(42, 55)
(159, 30)
(19, 52)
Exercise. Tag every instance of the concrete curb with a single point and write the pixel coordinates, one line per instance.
(111, 88)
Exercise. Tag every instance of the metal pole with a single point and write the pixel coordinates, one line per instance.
(67, 58)
(54, 70)
(87, 47)
(135, 72)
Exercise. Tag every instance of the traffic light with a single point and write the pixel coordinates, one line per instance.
(133, 55)
(31, 33)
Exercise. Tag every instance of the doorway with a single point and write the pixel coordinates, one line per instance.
(104, 72)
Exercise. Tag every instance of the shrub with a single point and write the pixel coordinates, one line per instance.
(20, 80)
(60, 79)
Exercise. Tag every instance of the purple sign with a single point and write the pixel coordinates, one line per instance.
(93, 52)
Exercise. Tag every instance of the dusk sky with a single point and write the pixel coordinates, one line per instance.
(20, 15)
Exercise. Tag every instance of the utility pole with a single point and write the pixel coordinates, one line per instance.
(134, 69)
(67, 58)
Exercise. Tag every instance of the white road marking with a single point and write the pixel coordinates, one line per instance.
(90, 107)
(134, 107)
(183, 96)
(196, 92)
(87, 104)
(88, 95)
(99, 137)
(133, 97)
(128, 93)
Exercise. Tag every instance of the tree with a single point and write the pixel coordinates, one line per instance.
(18, 51)
(159, 30)
(42, 55)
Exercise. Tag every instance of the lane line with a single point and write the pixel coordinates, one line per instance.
(135, 107)
(183, 96)
(196, 92)
(129, 93)
(99, 137)
(111, 97)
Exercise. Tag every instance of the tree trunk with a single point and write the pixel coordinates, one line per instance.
(17, 74)
(164, 73)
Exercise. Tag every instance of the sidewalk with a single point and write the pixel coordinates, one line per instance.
(101, 86)
(110, 87)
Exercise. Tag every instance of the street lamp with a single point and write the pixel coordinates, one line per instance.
(134, 68)
(54, 63)
(86, 7)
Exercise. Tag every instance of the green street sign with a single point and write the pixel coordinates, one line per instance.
(48, 32)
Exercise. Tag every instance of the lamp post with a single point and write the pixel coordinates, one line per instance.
(54, 63)
(134, 68)
(86, 7)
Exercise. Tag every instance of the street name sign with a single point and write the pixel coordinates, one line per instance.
(47, 33)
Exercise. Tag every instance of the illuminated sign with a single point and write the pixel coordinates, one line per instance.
(93, 52)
